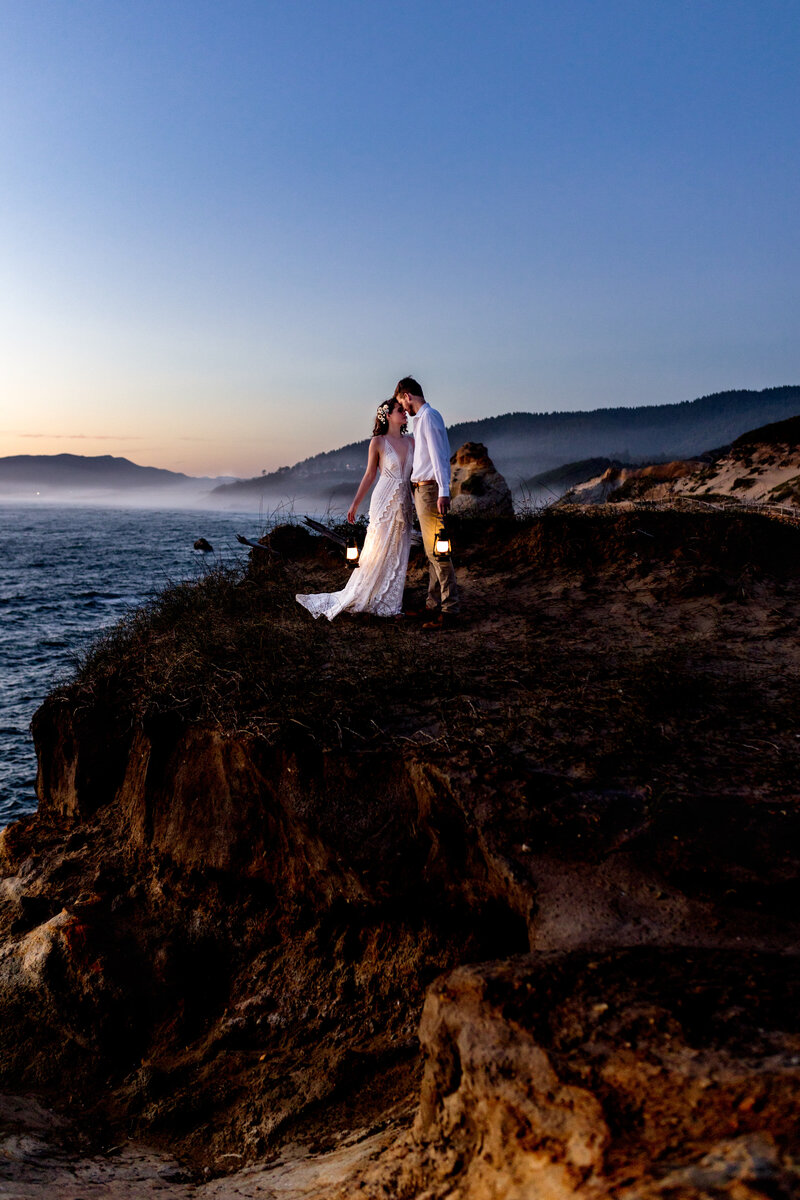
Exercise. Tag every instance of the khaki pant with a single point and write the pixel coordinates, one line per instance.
(442, 587)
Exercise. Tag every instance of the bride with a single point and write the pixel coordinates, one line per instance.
(376, 585)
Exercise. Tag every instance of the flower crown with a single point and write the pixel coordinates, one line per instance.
(383, 409)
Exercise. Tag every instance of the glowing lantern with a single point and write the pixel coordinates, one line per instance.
(351, 554)
(441, 544)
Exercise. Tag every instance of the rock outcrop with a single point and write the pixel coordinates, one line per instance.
(559, 848)
(476, 487)
(761, 466)
(655, 482)
(586, 1074)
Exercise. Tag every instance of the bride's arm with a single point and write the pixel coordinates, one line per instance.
(368, 480)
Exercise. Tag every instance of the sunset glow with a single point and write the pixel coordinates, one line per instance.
(229, 229)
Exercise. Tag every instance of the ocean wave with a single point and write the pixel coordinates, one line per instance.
(64, 577)
(96, 596)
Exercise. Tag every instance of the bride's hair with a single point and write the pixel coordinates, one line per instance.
(382, 417)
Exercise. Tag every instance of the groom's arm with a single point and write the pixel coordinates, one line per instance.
(439, 448)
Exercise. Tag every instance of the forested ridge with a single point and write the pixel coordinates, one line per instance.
(522, 443)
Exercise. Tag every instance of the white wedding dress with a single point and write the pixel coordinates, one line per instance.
(376, 584)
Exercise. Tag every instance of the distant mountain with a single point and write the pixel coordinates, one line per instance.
(96, 477)
(81, 471)
(525, 444)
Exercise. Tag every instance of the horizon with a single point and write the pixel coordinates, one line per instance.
(229, 231)
(346, 445)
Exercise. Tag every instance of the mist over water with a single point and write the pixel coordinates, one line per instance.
(48, 495)
(268, 505)
(66, 573)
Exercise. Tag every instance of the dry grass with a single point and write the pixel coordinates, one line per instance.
(236, 649)
(644, 649)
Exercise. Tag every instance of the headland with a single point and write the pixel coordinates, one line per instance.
(509, 910)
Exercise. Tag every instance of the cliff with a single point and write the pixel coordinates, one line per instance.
(359, 909)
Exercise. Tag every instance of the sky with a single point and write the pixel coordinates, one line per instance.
(229, 227)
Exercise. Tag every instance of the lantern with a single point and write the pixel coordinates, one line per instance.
(351, 553)
(441, 544)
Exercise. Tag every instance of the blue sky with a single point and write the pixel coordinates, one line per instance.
(228, 228)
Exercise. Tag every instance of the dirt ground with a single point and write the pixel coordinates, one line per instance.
(262, 841)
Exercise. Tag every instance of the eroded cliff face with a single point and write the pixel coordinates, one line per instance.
(240, 930)
(548, 940)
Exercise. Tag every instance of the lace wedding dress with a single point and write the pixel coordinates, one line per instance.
(376, 585)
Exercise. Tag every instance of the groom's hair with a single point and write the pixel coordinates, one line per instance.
(410, 385)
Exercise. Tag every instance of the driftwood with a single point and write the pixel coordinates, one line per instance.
(318, 527)
(416, 536)
(256, 545)
(315, 525)
(323, 529)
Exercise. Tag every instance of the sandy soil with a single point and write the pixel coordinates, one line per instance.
(40, 1159)
(755, 473)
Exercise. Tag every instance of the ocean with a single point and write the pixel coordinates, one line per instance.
(66, 573)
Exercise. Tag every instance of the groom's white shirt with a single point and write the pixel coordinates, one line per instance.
(431, 449)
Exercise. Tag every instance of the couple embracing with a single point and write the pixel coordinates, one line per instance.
(417, 467)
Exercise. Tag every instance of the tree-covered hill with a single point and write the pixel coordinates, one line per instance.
(523, 444)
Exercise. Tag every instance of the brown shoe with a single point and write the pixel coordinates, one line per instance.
(419, 613)
(444, 620)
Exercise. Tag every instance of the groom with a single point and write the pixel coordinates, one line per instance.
(430, 482)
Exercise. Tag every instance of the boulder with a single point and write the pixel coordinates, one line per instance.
(545, 1073)
(476, 487)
